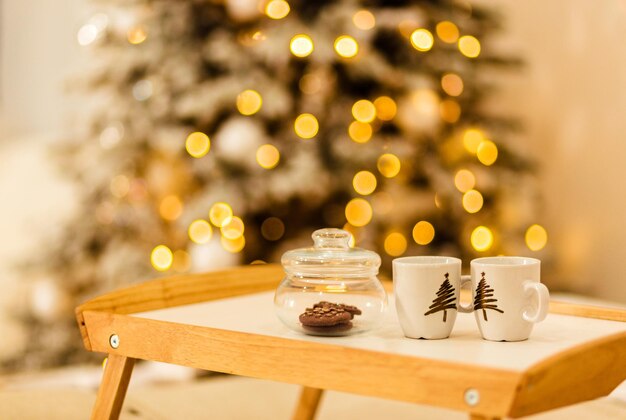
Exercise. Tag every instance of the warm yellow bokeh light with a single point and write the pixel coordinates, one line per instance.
(182, 261)
(452, 84)
(249, 102)
(364, 182)
(447, 32)
(450, 111)
(277, 9)
(422, 39)
(233, 245)
(346, 46)
(310, 84)
(388, 165)
(200, 231)
(472, 139)
(472, 201)
(267, 156)
(423, 232)
(161, 258)
(364, 111)
(301, 45)
(487, 152)
(481, 238)
(306, 126)
(358, 212)
(136, 35)
(464, 180)
(386, 108)
(120, 186)
(220, 214)
(233, 229)
(395, 244)
(364, 19)
(360, 132)
(536, 237)
(272, 228)
(197, 144)
(171, 207)
(469, 46)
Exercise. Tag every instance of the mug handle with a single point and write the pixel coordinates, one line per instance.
(469, 308)
(543, 301)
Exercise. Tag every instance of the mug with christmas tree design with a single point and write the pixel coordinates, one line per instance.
(508, 297)
(427, 292)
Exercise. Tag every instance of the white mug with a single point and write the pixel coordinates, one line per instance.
(508, 297)
(427, 292)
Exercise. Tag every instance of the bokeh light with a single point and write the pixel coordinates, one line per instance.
(267, 156)
(360, 132)
(388, 165)
(197, 144)
(487, 152)
(301, 45)
(464, 180)
(382, 203)
(200, 231)
(306, 126)
(87, 34)
(386, 108)
(277, 9)
(120, 185)
(161, 258)
(481, 238)
(395, 244)
(472, 139)
(310, 84)
(452, 84)
(364, 182)
(364, 111)
(346, 46)
(136, 35)
(249, 102)
(422, 39)
(142, 90)
(364, 19)
(450, 110)
(220, 214)
(472, 201)
(233, 229)
(272, 228)
(536, 237)
(447, 31)
(469, 46)
(171, 207)
(358, 212)
(182, 261)
(233, 245)
(423, 232)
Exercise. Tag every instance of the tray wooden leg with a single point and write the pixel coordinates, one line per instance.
(113, 387)
(308, 403)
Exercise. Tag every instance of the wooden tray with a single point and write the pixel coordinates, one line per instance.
(224, 321)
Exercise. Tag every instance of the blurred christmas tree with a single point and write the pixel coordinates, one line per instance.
(203, 118)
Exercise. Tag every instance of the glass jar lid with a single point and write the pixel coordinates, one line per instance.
(331, 256)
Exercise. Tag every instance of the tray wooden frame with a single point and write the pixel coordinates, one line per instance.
(580, 373)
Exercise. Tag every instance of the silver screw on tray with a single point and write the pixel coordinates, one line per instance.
(114, 341)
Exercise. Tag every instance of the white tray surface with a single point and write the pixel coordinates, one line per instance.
(255, 314)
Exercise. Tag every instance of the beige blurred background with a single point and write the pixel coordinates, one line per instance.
(571, 97)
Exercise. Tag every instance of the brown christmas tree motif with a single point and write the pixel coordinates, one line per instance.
(484, 297)
(445, 299)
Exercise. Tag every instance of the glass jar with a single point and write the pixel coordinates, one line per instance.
(330, 289)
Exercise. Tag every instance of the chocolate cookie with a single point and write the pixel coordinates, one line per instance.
(348, 308)
(325, 316)
(333, 329)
